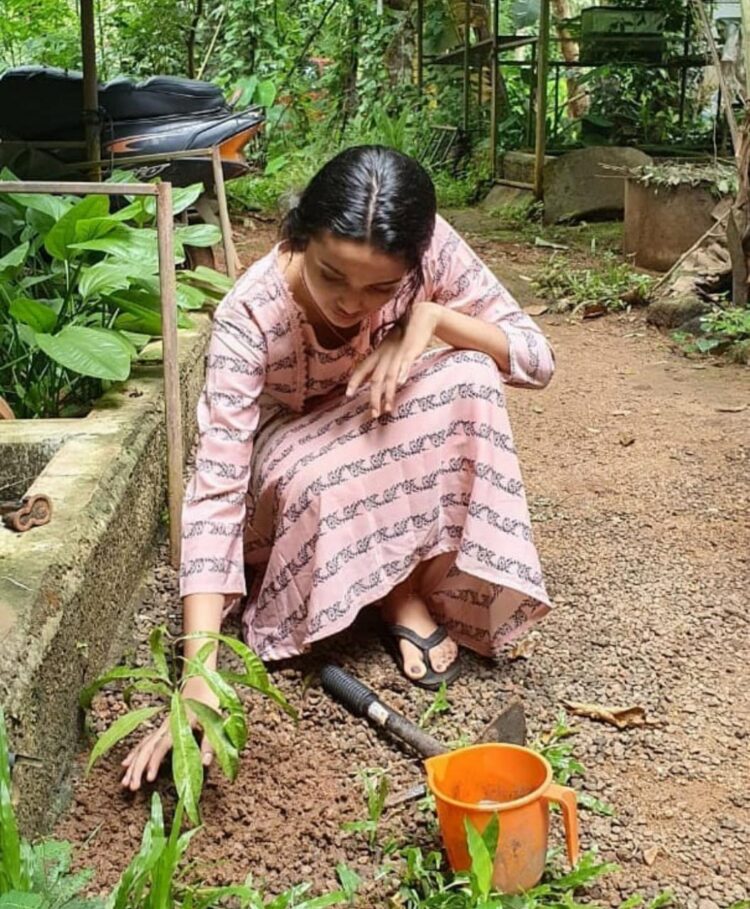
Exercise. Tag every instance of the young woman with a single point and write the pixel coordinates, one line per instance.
(355, 446)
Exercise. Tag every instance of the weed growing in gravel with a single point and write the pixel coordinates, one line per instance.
(559, 752)
(725, 331)
(439, 705)
(226, 728)
(377, 787)
(613, 286)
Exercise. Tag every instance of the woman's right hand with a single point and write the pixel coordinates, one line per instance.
(148, 754)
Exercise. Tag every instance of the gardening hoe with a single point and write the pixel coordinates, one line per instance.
(508, 726)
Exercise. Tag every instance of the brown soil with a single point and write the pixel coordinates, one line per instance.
(637, 477)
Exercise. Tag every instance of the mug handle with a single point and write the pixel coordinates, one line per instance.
(566, 799)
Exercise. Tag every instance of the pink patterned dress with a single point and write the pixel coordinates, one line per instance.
(305, 508)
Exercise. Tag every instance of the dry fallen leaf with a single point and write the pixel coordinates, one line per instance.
(523, 649)
(594, 310)
(625, 439)
(649, 855)
(728, 408)
(622, 717)
(537, 409)
(538, 309)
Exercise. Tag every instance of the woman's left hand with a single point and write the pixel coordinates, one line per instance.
(387, 367)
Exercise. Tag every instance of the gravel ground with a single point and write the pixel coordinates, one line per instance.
(636, 466)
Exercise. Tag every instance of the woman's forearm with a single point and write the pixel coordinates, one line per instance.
(202, 612)
(467, 332)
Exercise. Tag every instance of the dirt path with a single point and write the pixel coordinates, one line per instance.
(638, 482)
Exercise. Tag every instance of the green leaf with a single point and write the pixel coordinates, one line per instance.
(143, 311)
(481, 860)
(16, 899)
(94, 228)
(88, 352)
(198, 235)
(235, 725)
(134, 244)
(208, 276)
(349, 880)
(104, 278)
(266, 93)
(121, 728)
(115, 674)
(33, 313)
(60, 240)
(187, 768)
(54, 207)
(212, 724)
(182, 198)
(190, 297)
(11, 864)
(13, 260)
(156, 646)
(274, 165)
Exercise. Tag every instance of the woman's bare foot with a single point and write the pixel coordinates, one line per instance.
(410, 610)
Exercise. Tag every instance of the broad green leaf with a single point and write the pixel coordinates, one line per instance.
(116, 337)
(11, 261)
(276, 164)
(198, 235)
(60, 240)
(33, 313)
(16, 899)
(88, 352)
(94, 228)
(266, 93)
(121, 728)
(187, 768)
(11, 863)
(115, 675)
(189, 297)
(104, 278)
(212, 725)
(135, 245)
(182, 198)
(54, 207)
(209, 277)
(235, 725)
(142, 312)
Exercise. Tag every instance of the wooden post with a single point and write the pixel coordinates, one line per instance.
(542, 63)
(494, 74)
(230, 254)
(725, 94)
(168, 289)
(90, 88)
(420, 48)
(467, 80)
(745, 13)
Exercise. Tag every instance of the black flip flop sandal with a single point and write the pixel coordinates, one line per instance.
(431, 680)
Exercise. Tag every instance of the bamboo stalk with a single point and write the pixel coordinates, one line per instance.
(230, 254)
(168, 289)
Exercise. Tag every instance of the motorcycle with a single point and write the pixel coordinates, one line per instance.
(42, 106)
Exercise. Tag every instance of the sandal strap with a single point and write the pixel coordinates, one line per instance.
(423, 644)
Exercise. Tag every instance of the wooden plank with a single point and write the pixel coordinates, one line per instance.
(168, 290)
(62, 187)
(230, 253)
(540, 140)
(91, 124)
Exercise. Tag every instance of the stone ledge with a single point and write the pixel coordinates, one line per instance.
(65, 588)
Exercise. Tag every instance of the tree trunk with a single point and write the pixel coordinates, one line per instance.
(578, 103)
(197, 13)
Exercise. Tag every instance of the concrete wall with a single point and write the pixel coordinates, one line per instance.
(65, 588)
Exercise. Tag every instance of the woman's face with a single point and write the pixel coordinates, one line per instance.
(349, 280)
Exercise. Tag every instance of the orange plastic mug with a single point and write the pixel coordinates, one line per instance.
(516, 784)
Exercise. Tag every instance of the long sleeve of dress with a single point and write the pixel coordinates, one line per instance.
(214, 511)
(457, 277)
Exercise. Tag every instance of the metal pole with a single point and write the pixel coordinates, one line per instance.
(230, 254)
(467, 29)
(168, 288)
(90, 87)
(541, 98)
(494, 74)
(420, 48)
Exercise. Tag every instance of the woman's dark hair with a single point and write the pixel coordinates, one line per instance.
(373, 195)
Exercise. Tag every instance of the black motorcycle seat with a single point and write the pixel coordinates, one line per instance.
(41, 102)
(159, 96)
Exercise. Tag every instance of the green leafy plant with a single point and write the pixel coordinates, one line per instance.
(34, 876)
(376, 787)
(438, 705)
(79, 293)
(225, 728)
(613, 286)
(558, 750)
